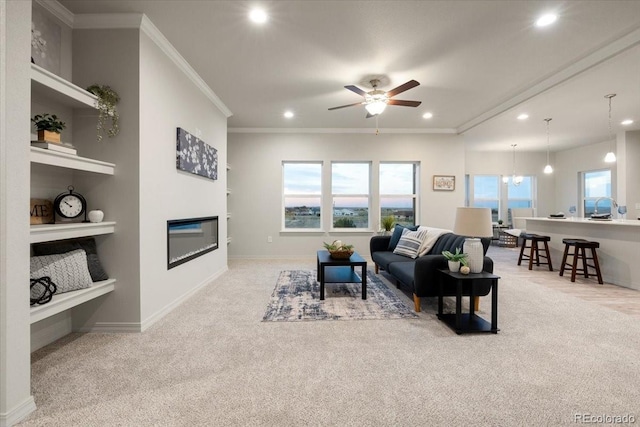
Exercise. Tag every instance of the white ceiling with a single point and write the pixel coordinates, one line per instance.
(480, 63)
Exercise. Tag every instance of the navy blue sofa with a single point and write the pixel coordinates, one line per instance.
(421, 275)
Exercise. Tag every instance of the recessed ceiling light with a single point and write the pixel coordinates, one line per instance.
(258, 16)
(546, 19)
(288, 114)
(626, 122)
(523, 116)
(427, 115)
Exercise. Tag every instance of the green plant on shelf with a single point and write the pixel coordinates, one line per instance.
(107, 100)
(48, 122)
(456, 257)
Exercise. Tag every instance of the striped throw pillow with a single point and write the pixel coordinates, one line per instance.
(409, 244)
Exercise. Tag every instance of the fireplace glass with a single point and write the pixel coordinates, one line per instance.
(190, 238)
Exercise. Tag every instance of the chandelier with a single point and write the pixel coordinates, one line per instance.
(515, 179)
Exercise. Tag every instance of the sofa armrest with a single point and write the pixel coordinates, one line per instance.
(379, 243)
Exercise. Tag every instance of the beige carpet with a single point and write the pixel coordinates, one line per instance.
(213, 362)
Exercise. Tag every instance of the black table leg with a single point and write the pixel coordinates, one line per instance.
(364, 282)
(321, 269)
(458, 306)
(494, 307)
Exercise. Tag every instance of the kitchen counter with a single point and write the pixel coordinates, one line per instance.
(619, 244)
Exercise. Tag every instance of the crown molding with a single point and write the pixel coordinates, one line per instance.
(140, 21)
(629, 40)
(344, 130)
(58, 10)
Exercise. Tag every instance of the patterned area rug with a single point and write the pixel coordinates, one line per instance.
(297, 297)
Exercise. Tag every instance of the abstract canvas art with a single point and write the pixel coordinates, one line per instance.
(195, 156)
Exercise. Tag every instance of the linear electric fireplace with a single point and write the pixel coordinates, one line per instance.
(190, 238)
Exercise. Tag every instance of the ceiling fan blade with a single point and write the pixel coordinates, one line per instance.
(356, 89)
(408, 85)
(348, 105)
(369, 115)
(404, 103)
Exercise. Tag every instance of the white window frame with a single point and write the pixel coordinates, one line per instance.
(415, 195)
(301, 196)
(333, 197)
(583, 187)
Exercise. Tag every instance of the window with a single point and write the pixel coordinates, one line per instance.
(302, 195)
(596, 184)
(398, 192)
(486, 194)
(521, 196)
(350, 194)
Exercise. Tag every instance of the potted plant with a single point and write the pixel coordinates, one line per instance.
(107, 100)
(339, 250)
(48, 126)
(455, 259)
(387, 223)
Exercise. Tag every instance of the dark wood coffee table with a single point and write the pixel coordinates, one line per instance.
(341, 271)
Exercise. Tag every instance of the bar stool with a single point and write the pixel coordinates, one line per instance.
(534, 253)
(580, 246)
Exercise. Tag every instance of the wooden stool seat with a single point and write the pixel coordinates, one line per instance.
(534, 250)
(580, 246)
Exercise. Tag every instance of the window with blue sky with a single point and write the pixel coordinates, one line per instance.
(398, 192)
(596, 184)
(489, 191)
(302, 190)
(350, 183)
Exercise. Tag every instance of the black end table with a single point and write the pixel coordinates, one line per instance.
(468, 322)
(341, 271)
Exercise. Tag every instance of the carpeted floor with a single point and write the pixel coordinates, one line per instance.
(214, 362)
(296, 297)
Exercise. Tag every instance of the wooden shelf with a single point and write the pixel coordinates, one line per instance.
(67, 300)
(49, 232)
(70, 161)
(51, 86)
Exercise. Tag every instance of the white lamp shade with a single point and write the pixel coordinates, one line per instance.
(376, 107)
(548, 169)
(610, 157)
(473, 222)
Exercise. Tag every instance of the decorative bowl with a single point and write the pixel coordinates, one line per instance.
(341, 254)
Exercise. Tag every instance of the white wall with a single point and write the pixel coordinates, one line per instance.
(15, 364)
(168, 100)
(255, 180)
(632, 160)
(527, 163)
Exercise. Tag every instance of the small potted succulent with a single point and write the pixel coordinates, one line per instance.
(48, 127)
(455, 259)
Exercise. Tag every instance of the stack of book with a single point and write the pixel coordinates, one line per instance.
(61, 147)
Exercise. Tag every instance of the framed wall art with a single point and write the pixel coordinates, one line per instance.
(195, 156)
(444, 182)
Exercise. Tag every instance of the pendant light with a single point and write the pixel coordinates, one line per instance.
(611, 156)
(548, 169)
(515, 179)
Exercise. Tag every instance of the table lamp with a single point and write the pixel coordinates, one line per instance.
(473, 223)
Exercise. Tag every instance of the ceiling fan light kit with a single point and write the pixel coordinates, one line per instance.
(376, 100)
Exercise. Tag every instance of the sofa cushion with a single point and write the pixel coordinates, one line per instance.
(403, 271)
(397, 233)
(410, 242)
(384, 258)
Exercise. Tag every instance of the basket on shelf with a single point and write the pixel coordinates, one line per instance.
(341, 254)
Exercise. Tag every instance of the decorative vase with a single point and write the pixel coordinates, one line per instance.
(454, 266)
(96, 215)
(48, 136)
(475, 254)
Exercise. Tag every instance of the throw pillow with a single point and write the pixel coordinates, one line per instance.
(69, 271)
(409, 244)
(397, 233)
(64, 246)
(431, 237)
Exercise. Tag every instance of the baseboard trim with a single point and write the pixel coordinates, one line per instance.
(149, 321)
(113, 327)
(19, 413)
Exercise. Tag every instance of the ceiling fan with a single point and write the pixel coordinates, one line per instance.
(376, 100)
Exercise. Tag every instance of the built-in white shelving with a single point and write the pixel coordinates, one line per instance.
(49, 232)
(48, 85)
(70, 161)
(67, 300)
